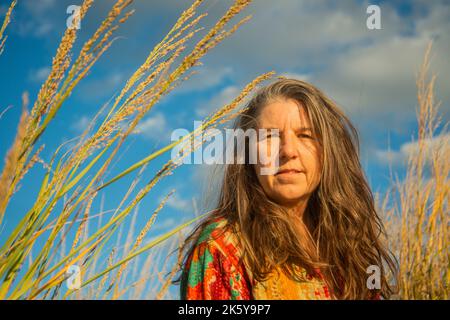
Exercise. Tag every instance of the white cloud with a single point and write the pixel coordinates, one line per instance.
(80, 124)
(208, 180)
(38, 20)
(378, 78)
(100, 87)
(225, 96)
(434, 144)
(39, 6)
(293, 75)
(297, 34)
(39, 75)
(368, 71)
(205, 78)
(329, 44)
(390, 157)
(152, 127)
(43, 29)
(165, 224)
(178, 203)
(400, 157)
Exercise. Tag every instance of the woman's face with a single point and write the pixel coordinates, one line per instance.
(299, 154)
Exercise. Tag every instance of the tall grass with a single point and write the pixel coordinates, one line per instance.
(416, 208)
(60, 229)
(5, 23)
(54, 233)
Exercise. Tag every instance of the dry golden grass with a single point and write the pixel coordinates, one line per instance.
(61, 213)
(5, 23)
(416, 209)
(12, 157)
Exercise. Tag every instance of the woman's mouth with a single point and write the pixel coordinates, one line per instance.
(288, 172)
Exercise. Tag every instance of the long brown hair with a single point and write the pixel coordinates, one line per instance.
(345, 227)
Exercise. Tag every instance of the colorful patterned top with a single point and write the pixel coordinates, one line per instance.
(214, 271)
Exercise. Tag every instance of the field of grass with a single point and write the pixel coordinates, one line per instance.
(59, 230)
(31, 263)
(416, 208)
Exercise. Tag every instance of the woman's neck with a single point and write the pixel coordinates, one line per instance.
(305, 227)
(299, 209)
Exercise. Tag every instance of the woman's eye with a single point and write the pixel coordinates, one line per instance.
(271, 135)
(304, 135)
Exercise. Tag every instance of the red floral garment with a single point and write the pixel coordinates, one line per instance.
(214, 271)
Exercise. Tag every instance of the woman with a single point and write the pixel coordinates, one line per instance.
(308, 229)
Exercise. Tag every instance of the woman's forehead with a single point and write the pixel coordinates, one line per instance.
(283, 112)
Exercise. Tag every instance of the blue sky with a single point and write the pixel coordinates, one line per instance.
(370, 73)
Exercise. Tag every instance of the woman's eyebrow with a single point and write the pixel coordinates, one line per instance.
(304, 129)
(281, 130)
(271, 128)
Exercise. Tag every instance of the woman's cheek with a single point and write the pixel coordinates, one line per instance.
(267, 153)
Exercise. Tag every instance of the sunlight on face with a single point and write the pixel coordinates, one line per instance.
(298, 173)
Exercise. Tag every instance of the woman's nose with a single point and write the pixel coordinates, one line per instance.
(287, 146)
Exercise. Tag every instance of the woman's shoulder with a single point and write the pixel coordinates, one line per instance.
(219, 234)
(214, 269)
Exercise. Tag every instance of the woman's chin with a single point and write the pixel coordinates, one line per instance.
(289, 200)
